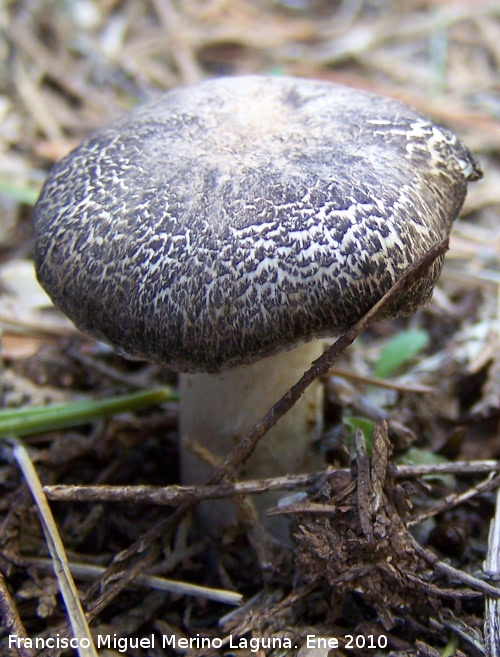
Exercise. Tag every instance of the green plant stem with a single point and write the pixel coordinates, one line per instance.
(29, 421)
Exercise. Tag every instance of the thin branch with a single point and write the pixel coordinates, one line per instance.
(450, 501)
(81, 631)
(176, 495)
(91, 572)
(382, 383)
(492, 569)
(453, 573)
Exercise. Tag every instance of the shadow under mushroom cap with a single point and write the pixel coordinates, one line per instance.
(229, 220)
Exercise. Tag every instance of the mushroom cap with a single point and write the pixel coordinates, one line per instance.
(226, 221)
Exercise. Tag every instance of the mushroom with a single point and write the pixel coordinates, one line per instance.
(225, 228)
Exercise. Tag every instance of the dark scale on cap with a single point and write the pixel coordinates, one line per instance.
(226, 221)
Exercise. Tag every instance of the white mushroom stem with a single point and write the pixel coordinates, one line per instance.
(218, 411)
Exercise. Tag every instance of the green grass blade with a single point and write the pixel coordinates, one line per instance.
(29, 421)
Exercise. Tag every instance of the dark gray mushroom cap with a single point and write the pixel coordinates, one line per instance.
(229, 220)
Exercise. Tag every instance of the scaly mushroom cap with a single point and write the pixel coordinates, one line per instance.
(226, 221)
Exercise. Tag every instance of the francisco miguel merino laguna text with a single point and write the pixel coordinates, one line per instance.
(123, 644)
(254, 644)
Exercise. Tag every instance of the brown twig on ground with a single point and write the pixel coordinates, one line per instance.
(492, 570)
(176, 495)
(490, 483)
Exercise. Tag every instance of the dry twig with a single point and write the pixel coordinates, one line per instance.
(81, 631)
(492, 570)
